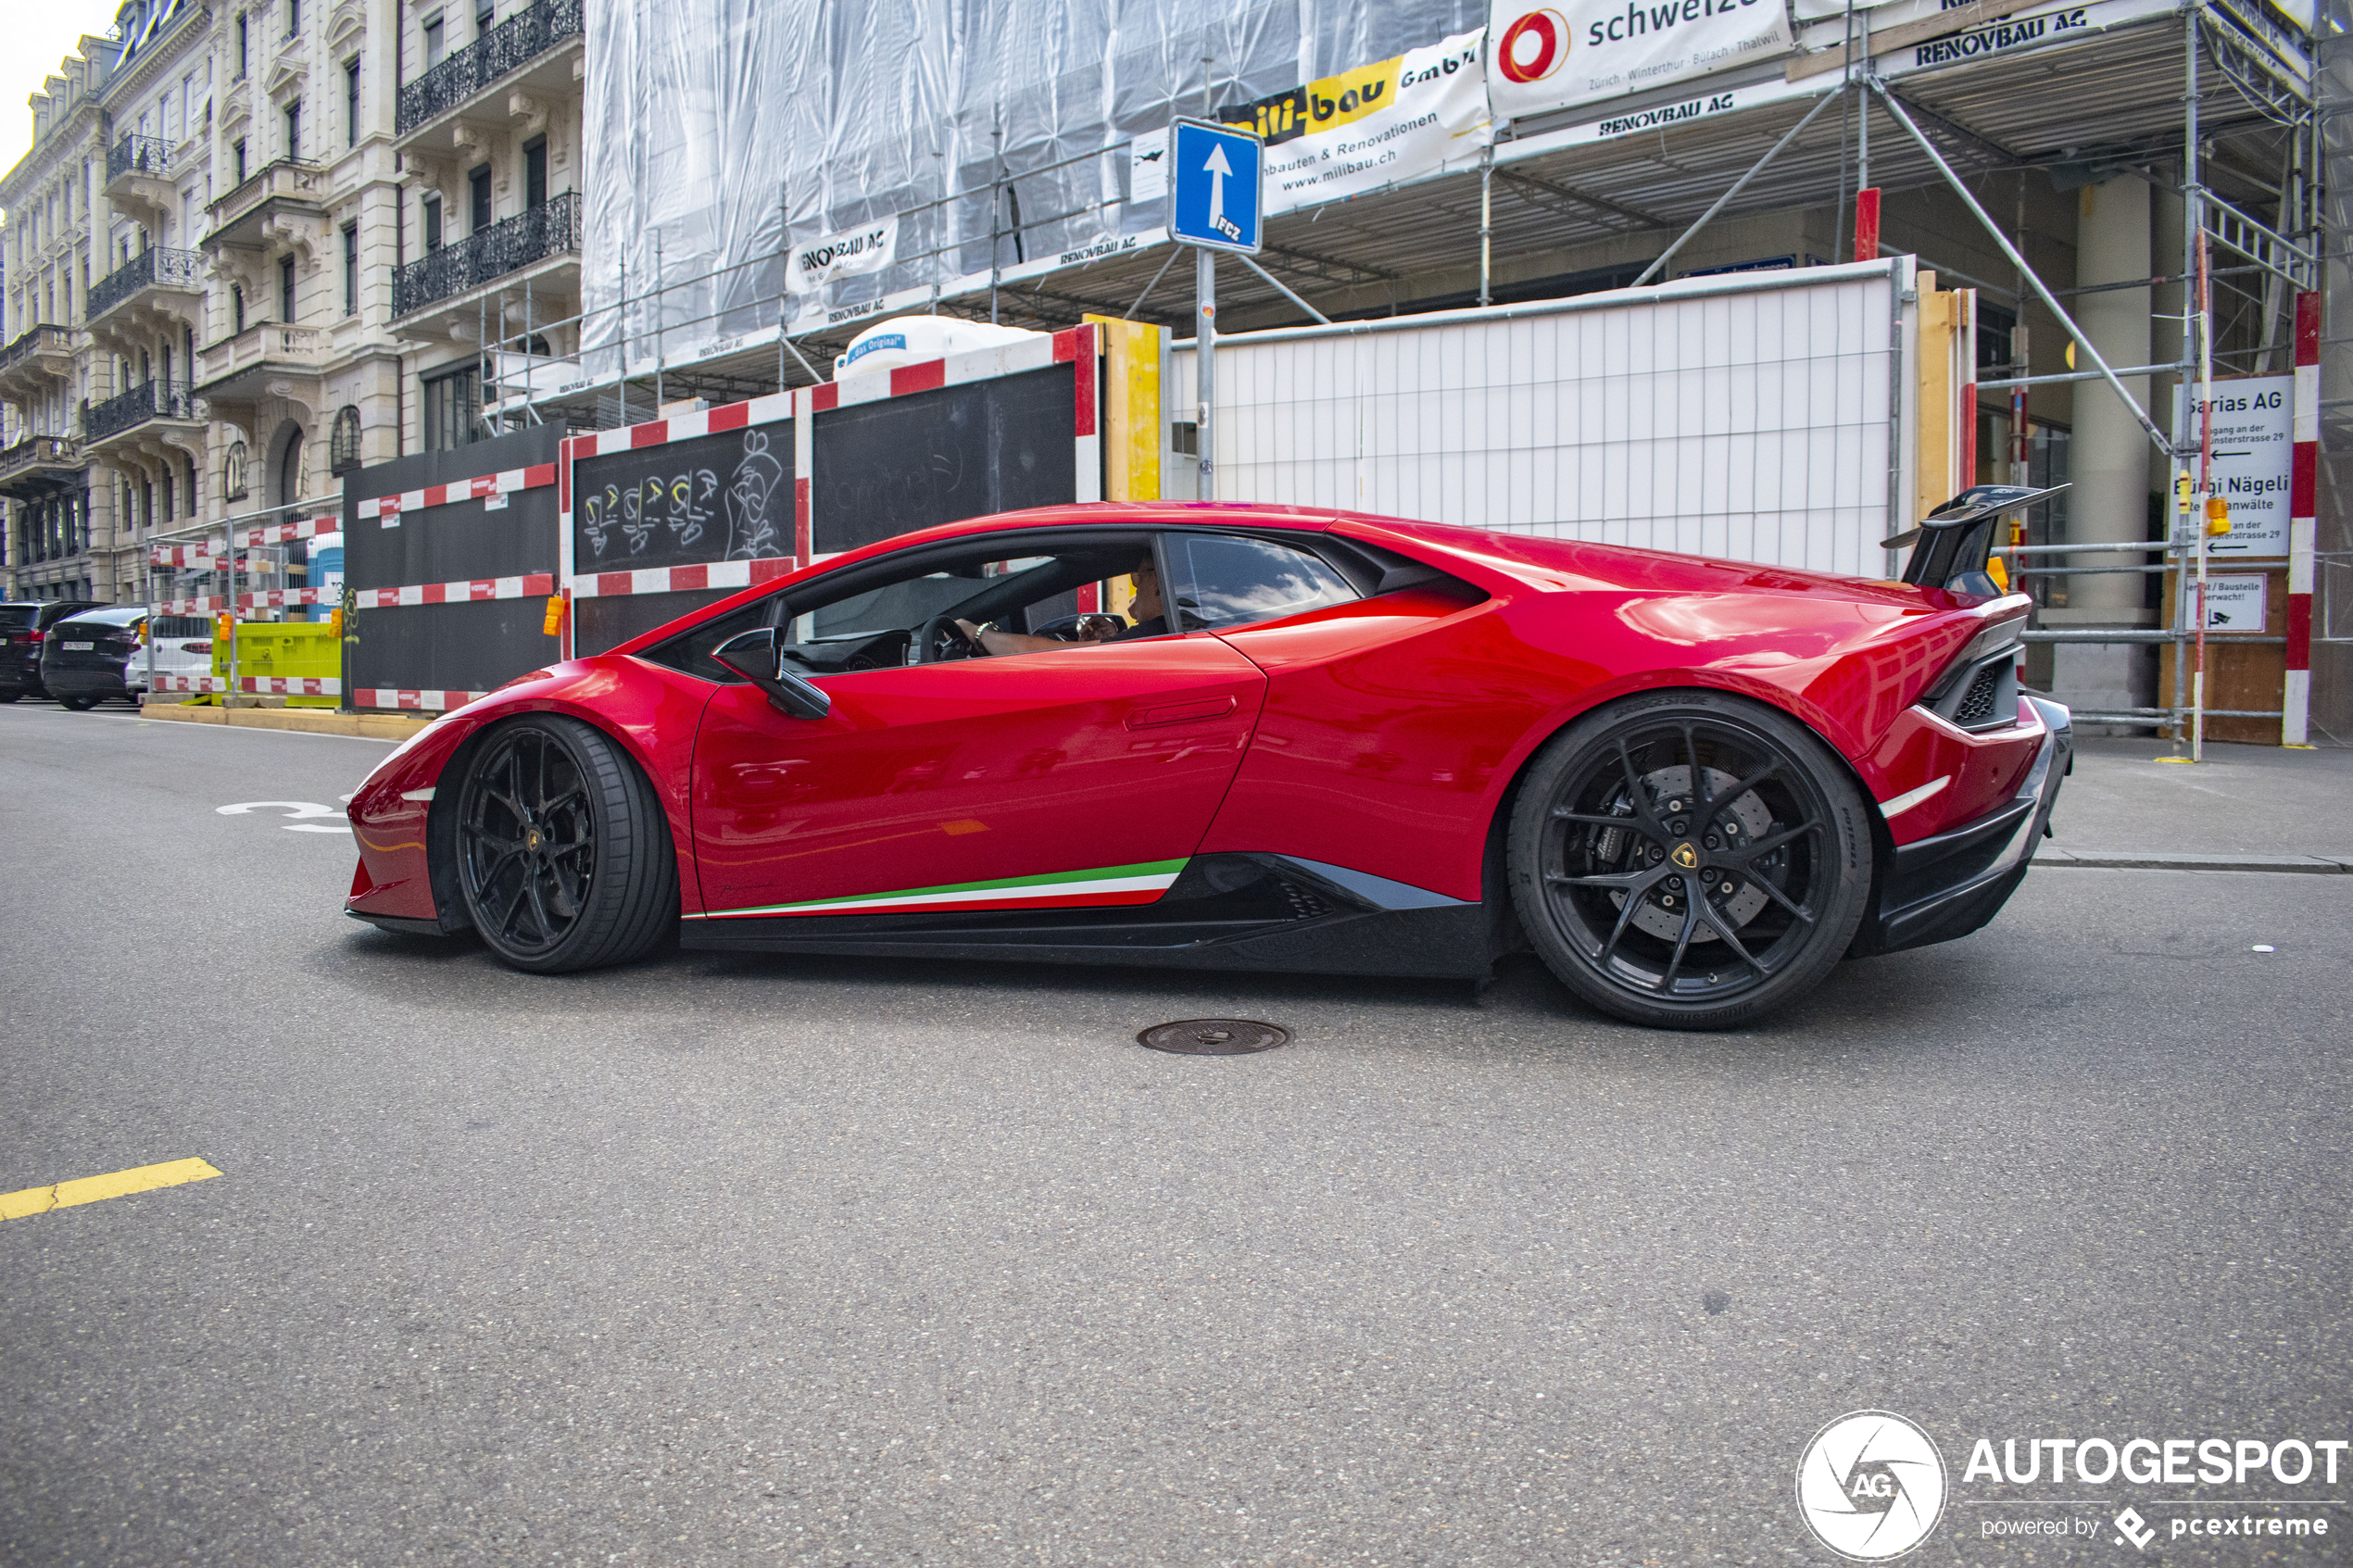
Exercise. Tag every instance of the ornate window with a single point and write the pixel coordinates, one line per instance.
(343, 441)
(232, 473)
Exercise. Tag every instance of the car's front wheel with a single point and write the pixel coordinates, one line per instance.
(1691, 860)
(77, 704)
(564, 855)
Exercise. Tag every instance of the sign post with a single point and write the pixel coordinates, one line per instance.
(1216, 201)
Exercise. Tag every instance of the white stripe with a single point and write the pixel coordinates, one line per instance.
(872, 387)
(767, 410)
(730, 574)
(1910, 799)
(2296, 707)
(2307, 403)
(2300, 555)
(686, 427)
(971, 896)
(649, 580)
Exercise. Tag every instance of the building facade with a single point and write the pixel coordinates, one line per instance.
(257, 246)
(63, 533)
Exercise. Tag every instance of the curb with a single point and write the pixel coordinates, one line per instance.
(366, 727)
(2135, 861)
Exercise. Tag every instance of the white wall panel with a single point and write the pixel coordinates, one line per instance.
(1746, 417)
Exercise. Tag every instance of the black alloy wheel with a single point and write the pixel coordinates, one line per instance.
(564, 856)
(1690, 859)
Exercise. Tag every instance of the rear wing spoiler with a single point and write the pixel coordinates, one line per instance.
(1958, 536)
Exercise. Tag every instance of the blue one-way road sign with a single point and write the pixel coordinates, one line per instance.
(1216, 198)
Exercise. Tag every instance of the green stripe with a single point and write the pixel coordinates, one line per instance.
(1040, 884)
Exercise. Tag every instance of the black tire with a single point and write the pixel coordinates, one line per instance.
(10, 697)
(77, 704)
(564, 855)
(1608, 823)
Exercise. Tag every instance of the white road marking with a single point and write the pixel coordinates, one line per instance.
(292, 808)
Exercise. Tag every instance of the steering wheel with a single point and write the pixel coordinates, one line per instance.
(942, 639)
(1089, 628)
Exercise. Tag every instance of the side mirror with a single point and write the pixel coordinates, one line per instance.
(753, 655)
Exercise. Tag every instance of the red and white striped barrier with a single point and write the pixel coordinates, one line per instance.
(439, 702)
(207, 603)
(537, 584)
(1072, 347)
(286, 533)
(681, 579)
(202, 557)
(387, 510)
(2296, 704)
(267, 685)
(271, 598)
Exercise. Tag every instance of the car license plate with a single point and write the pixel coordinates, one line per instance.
(80, 648)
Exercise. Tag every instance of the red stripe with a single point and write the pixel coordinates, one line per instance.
(683, 578)
(1066, 343)
(538, 474)
(2308, 328)
(733, 415)
(769, 568)
(653, 433)
(824, 395)
(435, 593)
(804, 539)
(2299, 631)
(2304, 479)
(539, 583)
(1083, 368)
(918, 378)
(612, 582)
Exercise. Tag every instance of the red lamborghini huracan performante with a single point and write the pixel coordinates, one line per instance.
(1309, 742)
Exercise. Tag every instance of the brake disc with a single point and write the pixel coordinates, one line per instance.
(1745, 819)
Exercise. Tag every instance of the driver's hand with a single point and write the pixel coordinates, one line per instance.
(971, 631)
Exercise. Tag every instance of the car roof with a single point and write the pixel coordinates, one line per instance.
(115, 615)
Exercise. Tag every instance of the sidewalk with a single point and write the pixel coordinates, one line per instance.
(2246, 807)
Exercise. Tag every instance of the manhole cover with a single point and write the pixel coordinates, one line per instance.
(1213, 1036)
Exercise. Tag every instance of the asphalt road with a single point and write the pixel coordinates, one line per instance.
(823, 1262)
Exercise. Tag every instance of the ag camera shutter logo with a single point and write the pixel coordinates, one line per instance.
(1871, 1485)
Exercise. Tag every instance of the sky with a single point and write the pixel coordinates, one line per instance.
(36, 35)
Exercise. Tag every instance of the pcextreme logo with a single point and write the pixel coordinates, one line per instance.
(1871, 1485)
(1534, 48)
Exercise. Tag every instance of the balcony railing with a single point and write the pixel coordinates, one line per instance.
(510, 47)
(139, 155)
(43, 339)
(36, 452)
(286, 177)
(264, 342)
(156, 400)
(530, 235)
(156, 268)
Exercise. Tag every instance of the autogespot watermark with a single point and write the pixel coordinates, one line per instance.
(1872, 1485)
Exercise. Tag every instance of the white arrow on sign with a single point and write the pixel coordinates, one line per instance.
(1217, 169)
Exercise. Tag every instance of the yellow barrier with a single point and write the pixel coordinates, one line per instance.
(286, 649)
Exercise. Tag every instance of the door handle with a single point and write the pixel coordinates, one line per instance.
(1180, 713)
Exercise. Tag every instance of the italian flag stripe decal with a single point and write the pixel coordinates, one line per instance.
(1138, 884)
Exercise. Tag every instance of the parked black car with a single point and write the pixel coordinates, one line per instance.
(24, 628)
(84, 659)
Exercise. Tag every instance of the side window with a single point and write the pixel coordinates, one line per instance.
(690, 650)
(1225, 580)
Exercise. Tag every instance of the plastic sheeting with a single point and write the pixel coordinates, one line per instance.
(717, 129)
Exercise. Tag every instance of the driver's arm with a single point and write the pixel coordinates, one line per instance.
(994, 642)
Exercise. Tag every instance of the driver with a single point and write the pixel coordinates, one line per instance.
(1150, 621)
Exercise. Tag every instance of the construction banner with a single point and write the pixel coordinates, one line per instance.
(1548, 58)
(1365, 129)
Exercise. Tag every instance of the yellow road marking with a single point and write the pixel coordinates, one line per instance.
(90, 1189)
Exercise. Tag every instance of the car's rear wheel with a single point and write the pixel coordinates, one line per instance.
(564, 856)
(1690, 859)
(77, 704)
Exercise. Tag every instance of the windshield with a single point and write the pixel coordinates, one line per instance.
(15, 617)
